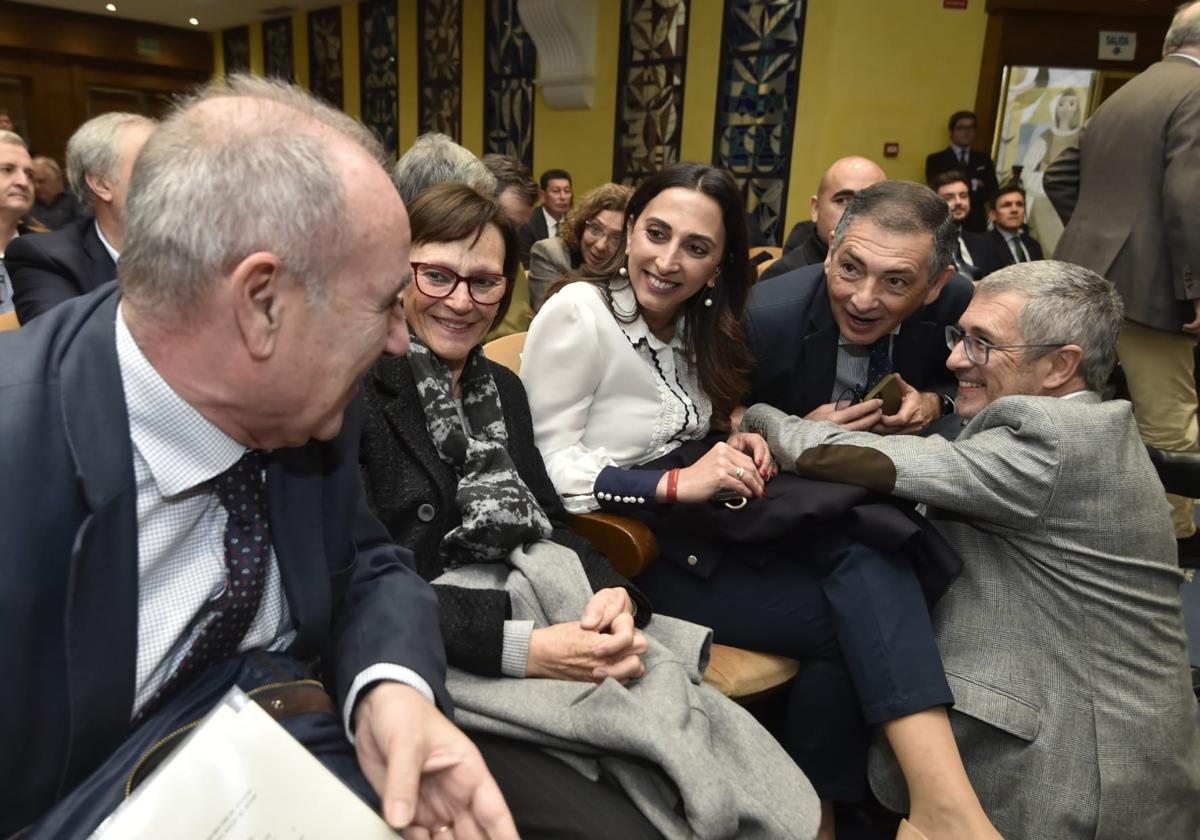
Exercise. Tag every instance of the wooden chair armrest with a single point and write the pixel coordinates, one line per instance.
(628, 544)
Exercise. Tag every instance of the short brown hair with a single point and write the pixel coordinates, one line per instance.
(449, 212)
(510, 172)
(604, 197)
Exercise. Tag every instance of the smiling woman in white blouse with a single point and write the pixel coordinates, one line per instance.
(632, 371)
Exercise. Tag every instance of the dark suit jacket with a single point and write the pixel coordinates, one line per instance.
(790, 328)
(412, 491)
(1000, 255)
(1134, 187)
(48, 268)
(69, 580)
(535, 231)
(808, 251)
(979, 168)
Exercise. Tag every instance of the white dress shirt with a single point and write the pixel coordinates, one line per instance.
(112, 252)
(603, 393)
(181, 526)
(551, 224)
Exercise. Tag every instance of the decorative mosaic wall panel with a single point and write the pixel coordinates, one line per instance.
(650, 87)
(440, 77)
(325, 55)
(235, 44)
(756, 103)
(277, 49)
(508, 83)
(377, 48)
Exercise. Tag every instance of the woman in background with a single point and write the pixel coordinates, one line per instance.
(587, 236)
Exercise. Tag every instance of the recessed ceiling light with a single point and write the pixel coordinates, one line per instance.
(193, 22)
(112, 7)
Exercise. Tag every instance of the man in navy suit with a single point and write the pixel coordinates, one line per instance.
(976, 166)
(972, 251)
(1009, 242)
(554, 189)
(180, 505)
(50, 268)
(824, 334)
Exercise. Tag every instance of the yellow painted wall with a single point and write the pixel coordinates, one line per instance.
(873, 71)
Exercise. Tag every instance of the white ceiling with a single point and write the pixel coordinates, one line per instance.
(212, 14)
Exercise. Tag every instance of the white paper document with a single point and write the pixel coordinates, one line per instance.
(241, 776)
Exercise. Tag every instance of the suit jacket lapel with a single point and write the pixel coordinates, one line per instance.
(295, 480)
(102, 591)
(101, 265)
(820, 349)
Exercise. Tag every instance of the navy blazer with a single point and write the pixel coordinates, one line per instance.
(48, 268)
(69, 580)
(1001, 255)
(790, 328)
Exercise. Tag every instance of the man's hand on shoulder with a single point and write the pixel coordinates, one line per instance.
(427, 772)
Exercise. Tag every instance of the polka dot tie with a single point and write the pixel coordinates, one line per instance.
(879, 363)
(247, 539)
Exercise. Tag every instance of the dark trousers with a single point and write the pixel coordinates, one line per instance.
(79, 813)
(856, 620)
(551, 801)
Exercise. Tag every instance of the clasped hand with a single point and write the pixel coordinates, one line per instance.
(603, 643)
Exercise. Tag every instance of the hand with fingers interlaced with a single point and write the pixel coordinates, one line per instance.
(603, 643)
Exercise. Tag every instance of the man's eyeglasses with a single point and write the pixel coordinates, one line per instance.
(437, 281)
(979, 351)
(597, 230)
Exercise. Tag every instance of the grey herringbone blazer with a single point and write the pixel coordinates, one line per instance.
(1063, 639)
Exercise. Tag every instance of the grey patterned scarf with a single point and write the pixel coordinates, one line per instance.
(498, 511)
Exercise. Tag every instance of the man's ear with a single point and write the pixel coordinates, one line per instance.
(1063, 366)
(99, 186)
(256, 289)
(936, 286)
(812, 203)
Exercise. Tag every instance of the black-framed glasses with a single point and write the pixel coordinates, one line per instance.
(979, 351)
(437, 281)
(848, 397)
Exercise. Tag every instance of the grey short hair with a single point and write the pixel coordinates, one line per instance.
(94, 149)
(207, 191)
(1065, 304)
(1184, 30)
(436, 159)
(13, 139)
(51, 164)
(906, 208)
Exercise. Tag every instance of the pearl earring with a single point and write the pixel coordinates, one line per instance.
(708, 301)
(623, 271)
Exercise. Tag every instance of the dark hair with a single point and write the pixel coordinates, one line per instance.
(553, 175)
(952, 177)
(1004, 189)
(450, 212)
(712, 335)
(510, 172)
(962, 115)
(905, 208)
(604, 197)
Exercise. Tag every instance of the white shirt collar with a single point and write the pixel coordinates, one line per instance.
(551, 222)
(959, 150)
(181, 447)
(1075, 394)
(624, 300)
(1190, 58)
(112, 252)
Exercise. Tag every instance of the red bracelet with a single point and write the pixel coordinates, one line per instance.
(672, 484)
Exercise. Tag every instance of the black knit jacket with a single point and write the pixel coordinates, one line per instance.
(412, 491)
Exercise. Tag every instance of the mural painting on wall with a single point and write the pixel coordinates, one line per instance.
(650, 88)
(1041, 112)
(325, 55)
(756, 104)
(508, 83)
(440, 62)
(235, 44)
(277, 49)
(377, 40)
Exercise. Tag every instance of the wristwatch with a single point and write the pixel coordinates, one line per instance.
(948, 406)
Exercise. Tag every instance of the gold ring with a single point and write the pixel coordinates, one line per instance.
(739, 472)
(442, 829)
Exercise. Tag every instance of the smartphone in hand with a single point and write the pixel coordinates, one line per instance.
(888, 390)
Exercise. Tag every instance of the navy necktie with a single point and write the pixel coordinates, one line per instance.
(879, 363)
(247, 540)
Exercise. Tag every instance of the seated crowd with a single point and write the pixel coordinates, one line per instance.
(1008, 660)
